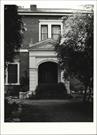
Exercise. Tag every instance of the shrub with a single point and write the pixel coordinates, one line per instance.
(13, 91)
(9, 107)
(76, 85)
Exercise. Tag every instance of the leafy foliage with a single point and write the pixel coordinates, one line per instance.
(75, 49)
(12, 31)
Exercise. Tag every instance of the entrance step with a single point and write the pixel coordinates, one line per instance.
(51, 91)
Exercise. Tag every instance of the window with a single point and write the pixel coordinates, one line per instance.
(50, 28)
(44, 32)
(13, 73)
(56, 30)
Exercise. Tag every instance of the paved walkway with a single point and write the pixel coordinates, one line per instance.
(71, 110)
(46, 101)
(55, 111)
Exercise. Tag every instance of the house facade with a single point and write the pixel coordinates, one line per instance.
(36, 62)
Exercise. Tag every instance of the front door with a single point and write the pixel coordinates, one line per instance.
(48, 73)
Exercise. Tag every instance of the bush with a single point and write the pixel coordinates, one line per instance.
(9, 107)
(13, 91)
(76, 85)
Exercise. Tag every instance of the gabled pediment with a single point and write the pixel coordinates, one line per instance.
(48, 44)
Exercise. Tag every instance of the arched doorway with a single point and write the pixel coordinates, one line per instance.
(48, 73)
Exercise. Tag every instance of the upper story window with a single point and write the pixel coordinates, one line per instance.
(12, 77)
(56, 31)
(44, 32)
(50, 29)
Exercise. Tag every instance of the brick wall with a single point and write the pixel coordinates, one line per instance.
(32, 33)
(32, 25)
(24, 75)
(24, 64)
(24, 70)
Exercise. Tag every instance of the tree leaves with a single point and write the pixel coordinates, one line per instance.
(12, 35)
(76, 44)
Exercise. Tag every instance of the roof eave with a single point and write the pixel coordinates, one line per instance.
(31, 49)
(37, 14)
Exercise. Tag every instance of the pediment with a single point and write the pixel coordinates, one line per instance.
(48, 44)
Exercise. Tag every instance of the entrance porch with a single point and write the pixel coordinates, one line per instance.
(43, 65)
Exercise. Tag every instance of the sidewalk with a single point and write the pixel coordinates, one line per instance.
(71, 110)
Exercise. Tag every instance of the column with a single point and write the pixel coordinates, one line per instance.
(33, 79)
(33, 74)
(62, 80)
(66, 83)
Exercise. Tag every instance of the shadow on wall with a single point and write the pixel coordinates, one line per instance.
(24, 81)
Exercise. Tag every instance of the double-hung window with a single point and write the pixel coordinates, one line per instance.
(44, 32)
(50, 29)
(13, 73)
(56, 30)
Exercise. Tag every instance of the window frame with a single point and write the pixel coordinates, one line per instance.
(50, 23)
(52, 30)
(18, 73)
(44, 33)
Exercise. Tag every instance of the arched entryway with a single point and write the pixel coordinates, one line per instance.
(48, 86)
(48, 73)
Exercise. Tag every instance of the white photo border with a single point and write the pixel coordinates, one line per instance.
(46, 128)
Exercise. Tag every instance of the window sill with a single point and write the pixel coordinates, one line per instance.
(12, 84)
